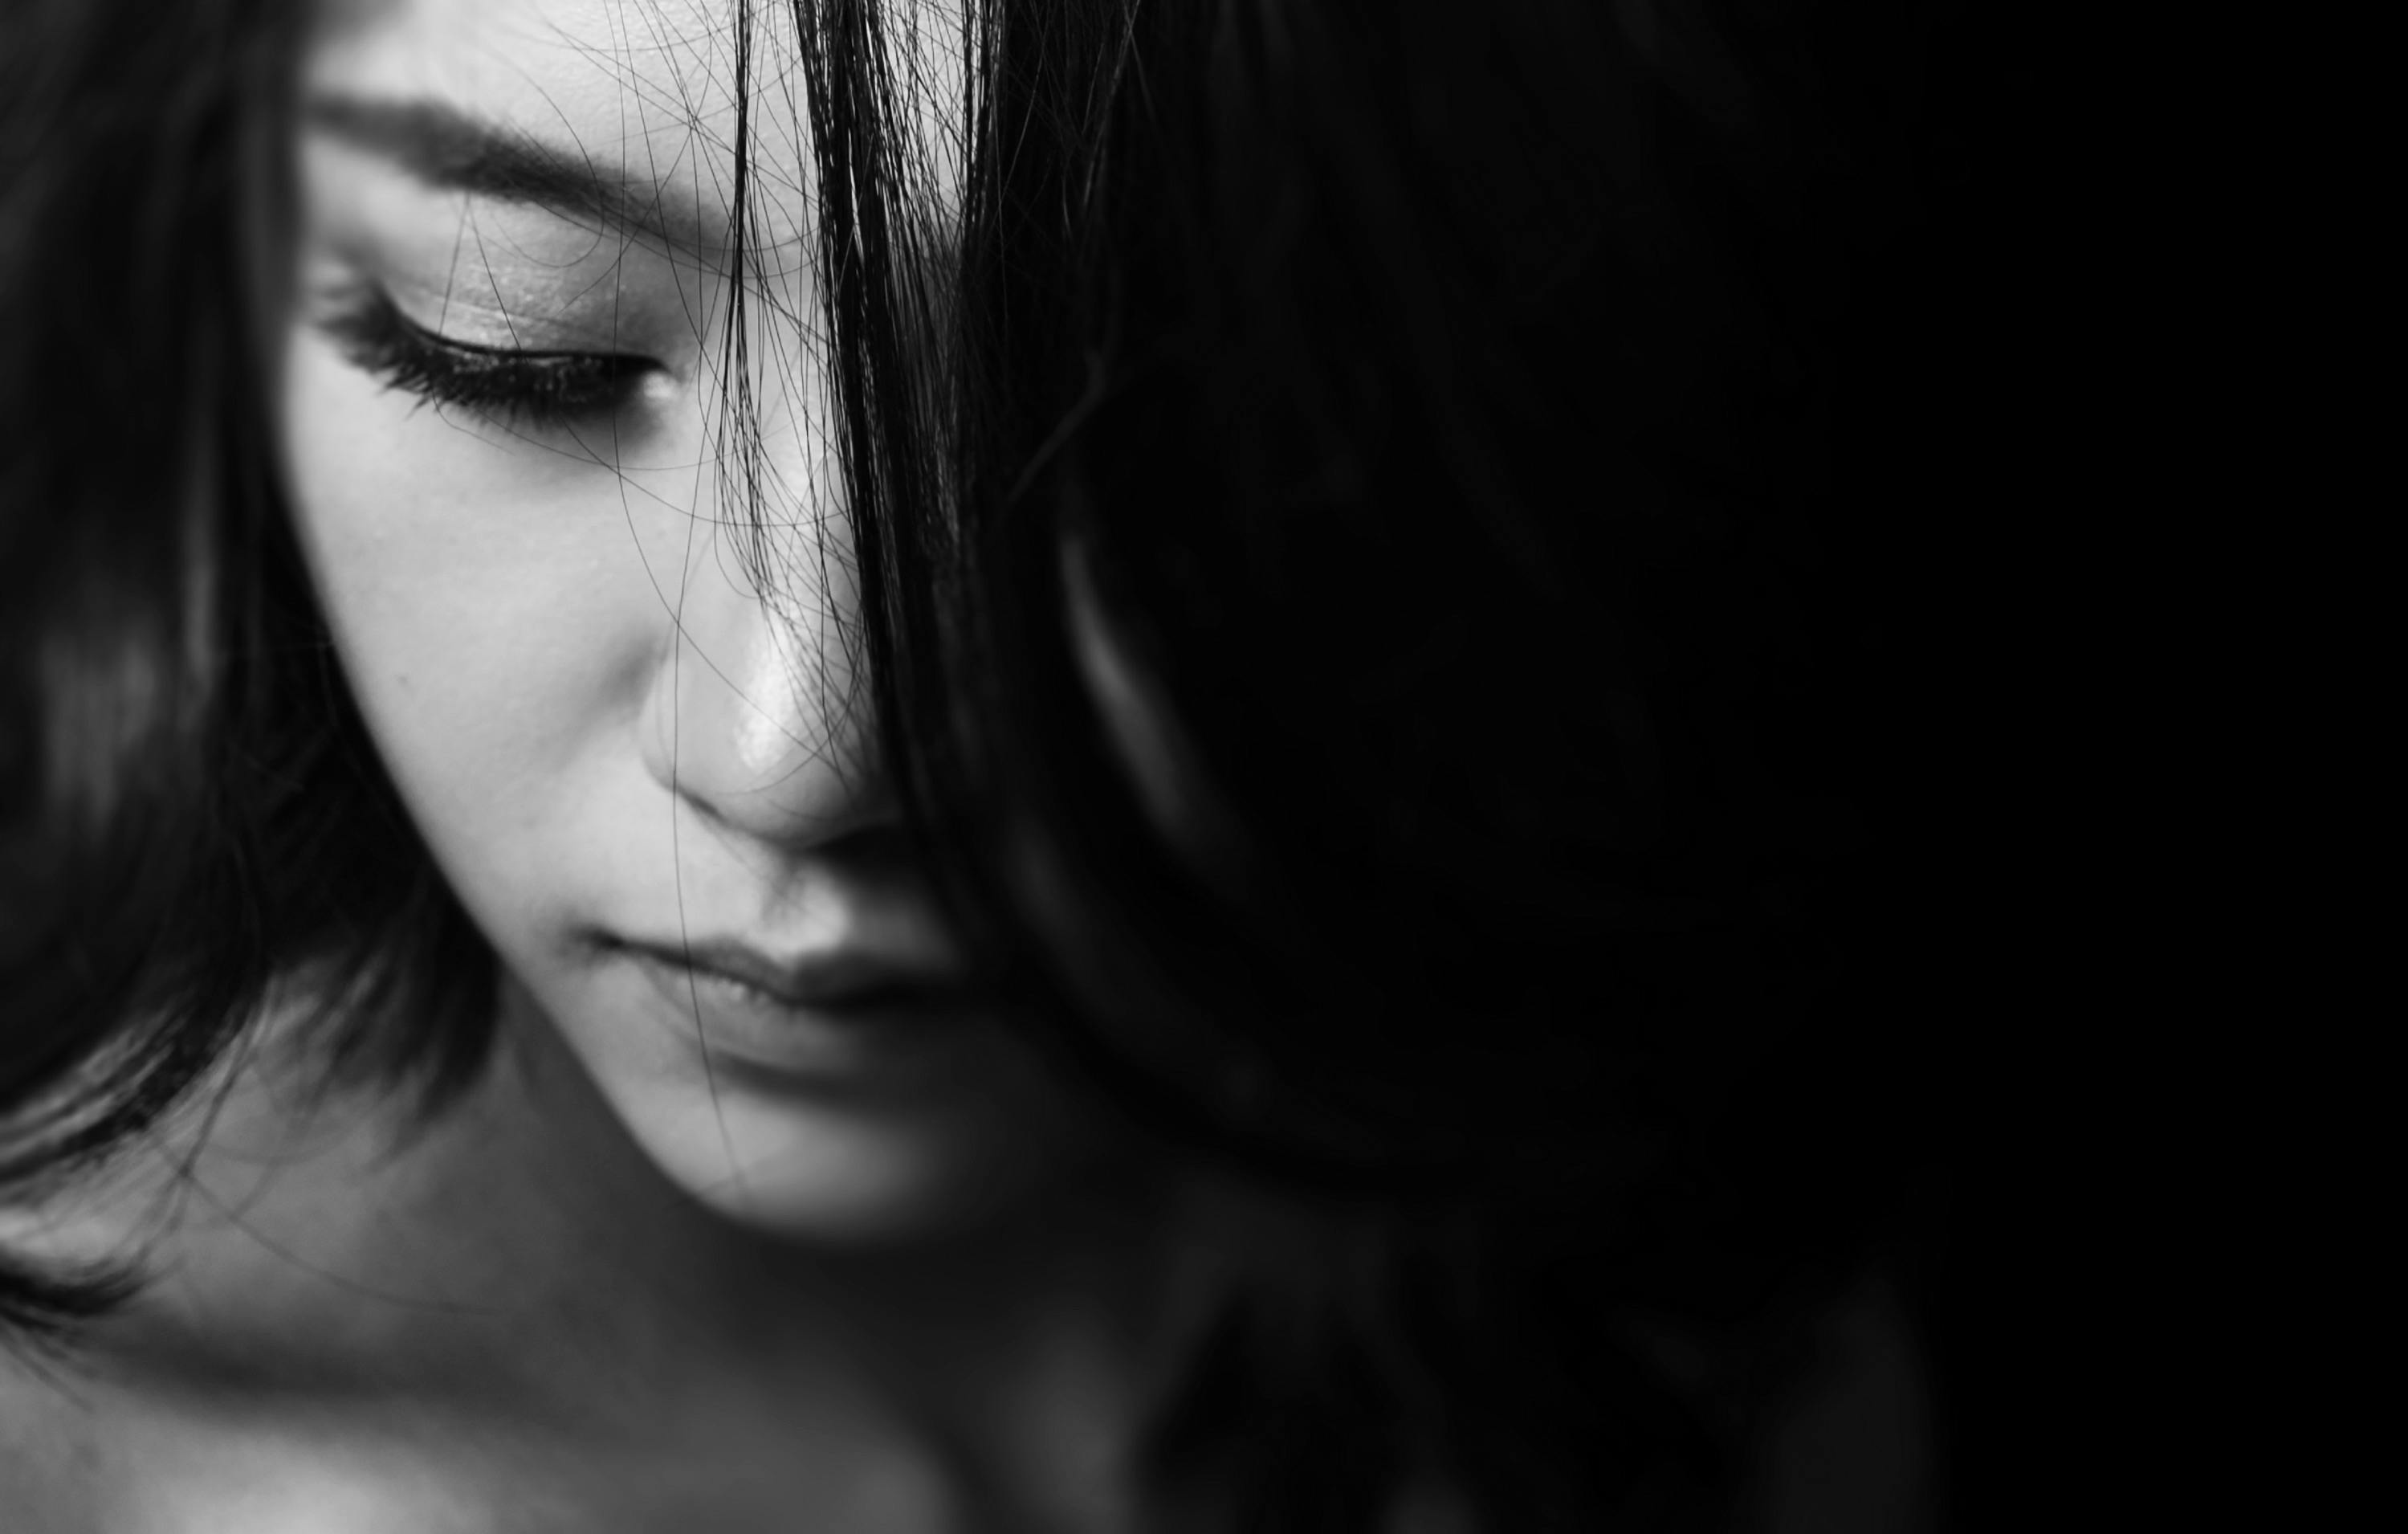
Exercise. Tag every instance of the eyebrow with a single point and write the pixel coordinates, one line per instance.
(446, 148)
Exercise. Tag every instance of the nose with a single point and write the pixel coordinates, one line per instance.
(757, 714)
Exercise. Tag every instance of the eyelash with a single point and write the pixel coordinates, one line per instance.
(540, 388)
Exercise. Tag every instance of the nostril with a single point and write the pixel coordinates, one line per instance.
(876, 849)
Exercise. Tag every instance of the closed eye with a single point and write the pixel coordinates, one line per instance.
(538, 388)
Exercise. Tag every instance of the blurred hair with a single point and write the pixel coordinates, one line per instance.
(1359, 611)
(190, 813)
(1374, 650)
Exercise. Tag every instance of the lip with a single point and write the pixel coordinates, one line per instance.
(835, 981)
(818, 1016)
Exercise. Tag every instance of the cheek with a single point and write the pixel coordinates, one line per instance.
(502, 611)
(468, 592)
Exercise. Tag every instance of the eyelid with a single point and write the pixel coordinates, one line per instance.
(526, 354)
(543, 387)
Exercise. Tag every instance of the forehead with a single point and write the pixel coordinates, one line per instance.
(645, 90)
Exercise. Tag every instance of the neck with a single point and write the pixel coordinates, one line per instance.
(518, 1254)
(1023, 1352)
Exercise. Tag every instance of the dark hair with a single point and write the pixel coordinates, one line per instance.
(1367, 627)
(1358, 616)
(190, 813)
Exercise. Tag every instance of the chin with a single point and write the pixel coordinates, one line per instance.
(833, 1172)
(899, 1146)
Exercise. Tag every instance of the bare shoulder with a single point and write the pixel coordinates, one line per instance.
(54, 1453)
(58, 1453)
(82, 1455)
(145, 1422)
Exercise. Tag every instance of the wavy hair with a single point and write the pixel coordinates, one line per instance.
(1357, 609)
(1362, 616)
(191, 815)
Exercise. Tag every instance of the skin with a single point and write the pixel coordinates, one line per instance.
(896, 1280)
(678, 1261)
(605, 730)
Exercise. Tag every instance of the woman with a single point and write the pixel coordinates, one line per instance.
(876, 767)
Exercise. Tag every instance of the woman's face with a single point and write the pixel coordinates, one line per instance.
(541, 537)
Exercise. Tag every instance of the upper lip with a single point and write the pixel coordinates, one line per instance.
(835, 977)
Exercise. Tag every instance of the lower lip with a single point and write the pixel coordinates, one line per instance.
(736, 1026)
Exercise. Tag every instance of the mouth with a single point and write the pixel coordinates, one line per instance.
(833, 981)
(818, 1015)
